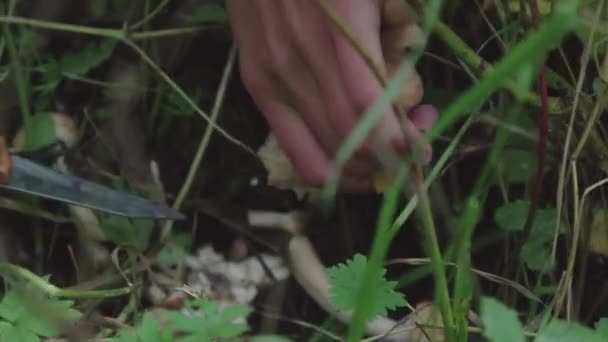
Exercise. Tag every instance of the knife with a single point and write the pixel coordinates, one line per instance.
(29, 177)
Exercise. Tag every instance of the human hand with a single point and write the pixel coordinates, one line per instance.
(313, 86)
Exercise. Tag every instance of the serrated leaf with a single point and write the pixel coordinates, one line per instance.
(39, 314)
(390, 299)
(564, 331)
(346, 280)
(83, 60)
(501, 323)
(209, 323)
(73, 63)
(149, 329)
(39, 324)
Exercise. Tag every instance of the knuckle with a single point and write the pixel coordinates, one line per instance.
(364, 99)
(254, 79)
(314, 176)
(283, 62)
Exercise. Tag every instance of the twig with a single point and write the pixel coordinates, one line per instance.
(566, 150)
(11, 271)
(202, 147)
(22, 93)
(150, 15)
(543, 133)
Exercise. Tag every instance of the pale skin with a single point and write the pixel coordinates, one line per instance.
(312, 86)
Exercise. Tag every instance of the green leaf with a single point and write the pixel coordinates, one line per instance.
(346, 280)
(126, 231)
(40, 131)
(73, 64)
(565, 331)
(11, 307)
(171, 253)
(149, 329)
(86, 58)
(209, 13)
(512, 216)
(5, 328)
(208, 321)
(536, 250)
(536, 255)
(517, 166)
(601, 327)
(501, 323)
(15, 333)
(51, 76)
(175, 105)
(40, 323)
(30, 310)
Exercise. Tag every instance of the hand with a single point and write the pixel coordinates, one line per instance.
(313, 87)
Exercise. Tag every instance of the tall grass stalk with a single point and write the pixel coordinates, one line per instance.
(533, 48)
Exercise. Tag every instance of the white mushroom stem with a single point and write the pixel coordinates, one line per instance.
(304, 263)
(310, 273)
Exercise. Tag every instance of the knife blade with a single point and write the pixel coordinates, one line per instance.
(29, 177)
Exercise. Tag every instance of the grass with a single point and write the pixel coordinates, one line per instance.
(536, 198)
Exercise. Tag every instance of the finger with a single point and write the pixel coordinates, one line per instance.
(309, 28)
(399, 34)
(412, 91)
(363, 21)
(423, 116)
(257, 74)
(247, 33)
(302, 148)
(288, 66)
(394, 13)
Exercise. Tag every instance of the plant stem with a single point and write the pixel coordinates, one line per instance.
(22, 87)
(543, 133)
(480, 66)
(185, 97)
(13, 271)
(384, 234)
(202, 147)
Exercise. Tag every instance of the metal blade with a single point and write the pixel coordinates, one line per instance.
(32, 178)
